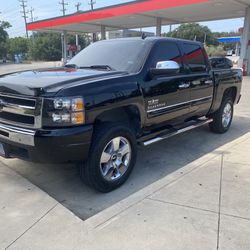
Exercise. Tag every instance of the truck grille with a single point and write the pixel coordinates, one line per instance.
(22, 111)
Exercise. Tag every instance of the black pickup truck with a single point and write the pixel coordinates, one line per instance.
(109, 98)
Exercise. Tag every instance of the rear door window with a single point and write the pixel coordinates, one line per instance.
(194, 57)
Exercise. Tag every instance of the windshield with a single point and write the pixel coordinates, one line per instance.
(121, 55)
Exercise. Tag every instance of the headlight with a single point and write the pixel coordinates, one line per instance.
(63, 111)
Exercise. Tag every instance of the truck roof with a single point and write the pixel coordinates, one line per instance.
(153, 39)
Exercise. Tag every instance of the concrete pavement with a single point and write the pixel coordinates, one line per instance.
(204, 205)
(188, 192)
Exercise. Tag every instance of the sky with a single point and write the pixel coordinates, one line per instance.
(10, 11)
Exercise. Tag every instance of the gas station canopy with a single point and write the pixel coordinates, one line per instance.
(229, 39)
(143, 13)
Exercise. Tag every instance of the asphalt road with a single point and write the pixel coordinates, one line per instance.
(155, 162)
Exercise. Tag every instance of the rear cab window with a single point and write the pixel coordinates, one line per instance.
(194, 57)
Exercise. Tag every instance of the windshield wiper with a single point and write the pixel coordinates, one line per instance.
(100, 67)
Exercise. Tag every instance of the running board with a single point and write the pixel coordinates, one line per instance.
(171, 133)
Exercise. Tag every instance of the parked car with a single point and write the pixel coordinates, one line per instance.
(109, 98)
(221, 63)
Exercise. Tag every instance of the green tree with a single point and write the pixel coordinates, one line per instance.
(194, 31)
(48, 47)
(3, 37)
(45, 47)
(17, 45)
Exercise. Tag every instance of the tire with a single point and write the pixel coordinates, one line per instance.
(111, 158)
(222, 119)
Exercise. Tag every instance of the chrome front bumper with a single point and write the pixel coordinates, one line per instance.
(17, 135)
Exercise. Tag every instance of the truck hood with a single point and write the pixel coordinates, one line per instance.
(49, 81)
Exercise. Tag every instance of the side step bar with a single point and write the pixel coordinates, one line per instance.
(163, 136)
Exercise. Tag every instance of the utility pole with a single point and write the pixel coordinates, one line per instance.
(31, 14)
(63, 7)
(92, 3)
(23, 4)
(78, 6)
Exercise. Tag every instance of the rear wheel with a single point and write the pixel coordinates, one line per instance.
(222, 119)
(111, 159)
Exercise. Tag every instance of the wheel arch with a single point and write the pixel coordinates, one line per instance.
(232, 92)
(129, 115)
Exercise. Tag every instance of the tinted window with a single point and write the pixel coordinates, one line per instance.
(194, 57)
(122, 55)
(164, 52)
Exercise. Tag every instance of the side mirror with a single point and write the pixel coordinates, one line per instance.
(165, 68)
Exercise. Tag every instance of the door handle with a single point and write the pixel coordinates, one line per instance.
(208, 82)
(184, 85)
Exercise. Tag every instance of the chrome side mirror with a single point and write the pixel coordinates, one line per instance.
(165, 68)
(172, 65)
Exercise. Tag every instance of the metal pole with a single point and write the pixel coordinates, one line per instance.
(77, 9)
(245, 52)
(103, 32)
(63, 35)
(91, 3)
(77, 40)
(158, 26)
(64, 47)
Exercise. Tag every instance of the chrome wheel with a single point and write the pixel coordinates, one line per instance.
(227, 115)
(115, 159)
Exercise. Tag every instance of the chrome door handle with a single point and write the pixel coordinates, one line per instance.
(184, 85)
(208, 82)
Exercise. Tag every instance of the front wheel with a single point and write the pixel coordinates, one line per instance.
(111, 159)
(222, 119)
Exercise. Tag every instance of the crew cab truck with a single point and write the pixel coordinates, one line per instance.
(109, 98)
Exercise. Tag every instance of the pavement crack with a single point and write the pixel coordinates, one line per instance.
(219, 210)
(182, 205)
(44, 215)
(235, 216)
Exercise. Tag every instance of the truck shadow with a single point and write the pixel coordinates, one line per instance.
(154, 162)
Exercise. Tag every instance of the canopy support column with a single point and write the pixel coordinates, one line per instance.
(244, 61)
(64, 46)
(158, 26)
(103, 32)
